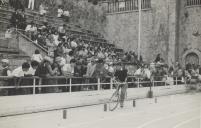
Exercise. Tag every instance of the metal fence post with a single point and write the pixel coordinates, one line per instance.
(176, 81)
(40, 83)
(138, 82)
(34, 85)
(111, 84)
(98, 83)
(70, 87)
(153, 82)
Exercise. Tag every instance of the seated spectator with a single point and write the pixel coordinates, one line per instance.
(69, 57)
(66, 15)
(50, 45)
(83, 52)
(68, 69)
(144, 73)
(158, 58)
(15, 19)
(100, 54)
(62, 30)
(31, 30)
(60, 11)
(32, 69)
(5, 69)
(111, 69)
(73, 43)
(37, 56)
(67, 48)
(91, 67)
(8, 33)
(59, 51)
(45, 68)
(22, 70)
(42, 9)
(56, 38)
(22, 20)
(80, 69)
(100, 70)
(41, 40)
(178, 74)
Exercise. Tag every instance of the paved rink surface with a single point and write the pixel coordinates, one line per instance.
(177, 111)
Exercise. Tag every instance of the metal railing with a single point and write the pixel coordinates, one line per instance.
(37, 85)
(193, 2)
(127, 5)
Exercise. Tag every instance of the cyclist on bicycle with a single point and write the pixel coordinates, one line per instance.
(120, 75)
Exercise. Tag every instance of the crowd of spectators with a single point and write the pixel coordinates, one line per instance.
(71, 56)
(87, 71)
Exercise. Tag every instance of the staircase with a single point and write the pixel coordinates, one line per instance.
(21, 47)
(10, 49)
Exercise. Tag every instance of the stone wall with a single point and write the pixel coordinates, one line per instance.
(157, 29)
(190, 22)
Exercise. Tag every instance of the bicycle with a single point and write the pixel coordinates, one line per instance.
(116, 96)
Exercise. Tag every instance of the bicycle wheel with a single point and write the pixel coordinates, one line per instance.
(114, 101)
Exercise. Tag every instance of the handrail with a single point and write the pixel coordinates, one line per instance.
(136, 81)
(18, 32)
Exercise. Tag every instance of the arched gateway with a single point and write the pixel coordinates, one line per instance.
(192, 56)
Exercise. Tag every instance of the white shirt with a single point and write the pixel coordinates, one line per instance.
(66, 13)
(28, 28)
(67, 69)
(56, 41)
(60, 12)
(146, 72)
(8, 34)
(31, 71)
(37, 57)
(18, 72)
(73, 44)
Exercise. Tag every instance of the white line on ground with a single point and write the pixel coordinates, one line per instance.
(159, 119)
(127, 114)
(186, 122)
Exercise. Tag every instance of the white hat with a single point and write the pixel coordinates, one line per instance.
(5, 61)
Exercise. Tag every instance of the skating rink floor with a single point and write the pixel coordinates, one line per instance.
(175, 111)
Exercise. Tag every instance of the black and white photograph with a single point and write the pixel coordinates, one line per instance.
(100, 63)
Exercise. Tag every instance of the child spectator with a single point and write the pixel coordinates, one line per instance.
(8, 33)
(37, 56)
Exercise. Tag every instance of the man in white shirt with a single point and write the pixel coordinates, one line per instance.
(91, 68)
(22, 70)
(73, 44)
(144, 74)
(60, 12)
(69, 69)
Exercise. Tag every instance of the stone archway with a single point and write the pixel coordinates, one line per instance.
(191, 56)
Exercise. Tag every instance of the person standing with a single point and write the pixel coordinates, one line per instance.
(121, 76)
(4, 71)
(31, 4)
